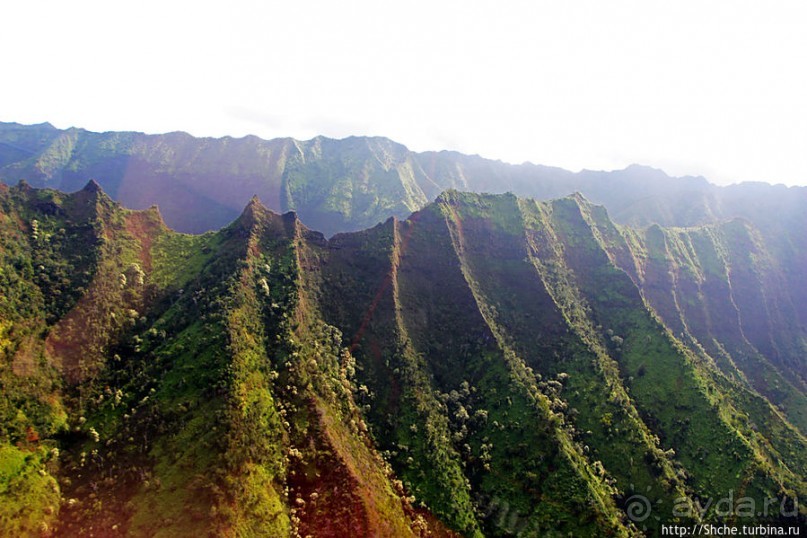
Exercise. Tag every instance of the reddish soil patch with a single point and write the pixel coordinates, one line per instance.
(332, 503)
(143, 226)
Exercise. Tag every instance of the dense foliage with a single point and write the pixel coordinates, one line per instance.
(492, 366)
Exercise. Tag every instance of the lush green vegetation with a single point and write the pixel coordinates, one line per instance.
(490, 367)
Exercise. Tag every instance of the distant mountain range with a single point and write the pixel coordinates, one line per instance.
(336, 186)
(471, 365)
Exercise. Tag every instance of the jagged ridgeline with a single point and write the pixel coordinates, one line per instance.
(491, 366)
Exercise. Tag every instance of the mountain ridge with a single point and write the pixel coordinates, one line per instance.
(490, 365)
(351, 186)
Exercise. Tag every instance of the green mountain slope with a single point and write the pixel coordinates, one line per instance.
(491, 366)
(185, 390)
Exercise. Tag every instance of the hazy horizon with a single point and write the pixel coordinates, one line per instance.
(690, 88)
(437, 150)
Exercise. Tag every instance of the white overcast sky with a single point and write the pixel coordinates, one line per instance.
(713, 88)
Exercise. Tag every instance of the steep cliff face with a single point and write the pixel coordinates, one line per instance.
(488, 367)
(541, 284)
(456, 410)
(719, 288)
